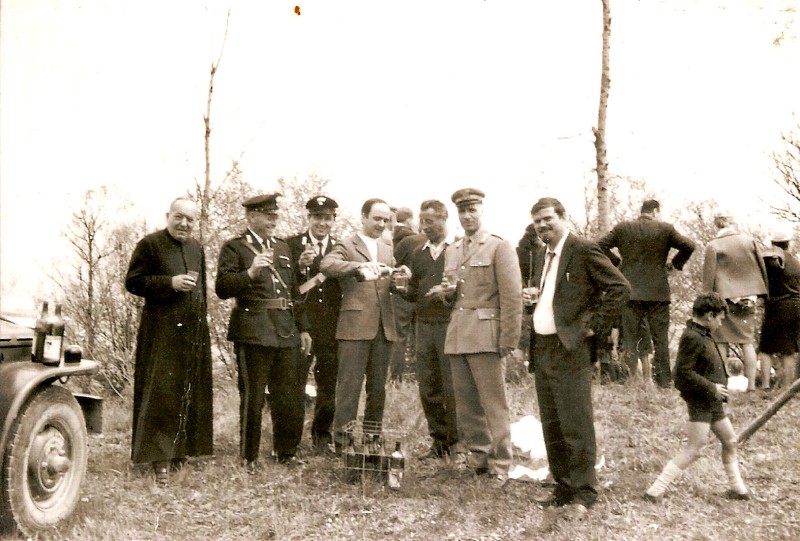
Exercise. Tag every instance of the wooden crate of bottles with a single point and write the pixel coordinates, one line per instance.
(372, 452)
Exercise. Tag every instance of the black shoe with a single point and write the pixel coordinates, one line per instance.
(498, 480)
(324, 450)
(650, 498)
(554, 501)
(740, 496)
(434, 453)
(290, 461)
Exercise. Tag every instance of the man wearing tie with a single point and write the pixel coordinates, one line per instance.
(579, 290)
(322, 301)
(485, 325)
(365, 330)
(266, 329)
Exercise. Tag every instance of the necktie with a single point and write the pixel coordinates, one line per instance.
(319, 249)
(548, 260)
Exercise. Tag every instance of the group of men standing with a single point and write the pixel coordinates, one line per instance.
(313, 295)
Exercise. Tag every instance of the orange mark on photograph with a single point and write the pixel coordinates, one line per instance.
(297, 10)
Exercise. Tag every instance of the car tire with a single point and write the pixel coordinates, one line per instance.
(45, 463)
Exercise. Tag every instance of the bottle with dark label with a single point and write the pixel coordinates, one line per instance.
(397, 466)
(353, 462)
(54, 339)
(383, 461)
(39, 334)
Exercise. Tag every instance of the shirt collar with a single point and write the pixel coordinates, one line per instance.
(259, 239)
(447, 241)
(314, 240)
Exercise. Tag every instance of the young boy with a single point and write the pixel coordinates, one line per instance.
(700, 376)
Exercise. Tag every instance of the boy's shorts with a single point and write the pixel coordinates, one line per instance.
(705, 412)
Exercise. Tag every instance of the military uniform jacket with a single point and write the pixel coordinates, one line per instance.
(322, 302)
(487, 310)
(251, 321)
(365, 305)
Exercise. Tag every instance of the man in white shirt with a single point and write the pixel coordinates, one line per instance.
(579, 291)
(362, 264)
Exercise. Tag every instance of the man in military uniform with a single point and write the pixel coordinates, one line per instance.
(322, 301)
(484, 330)
(257, 269)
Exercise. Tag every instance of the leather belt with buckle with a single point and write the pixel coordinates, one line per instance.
(280, 303)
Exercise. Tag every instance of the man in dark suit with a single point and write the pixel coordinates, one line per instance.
(403, 310)
(366, 327)
(579, 290)
(322, 300)
(257, 269)
(644, 246)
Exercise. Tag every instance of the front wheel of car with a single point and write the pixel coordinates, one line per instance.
(45, 462)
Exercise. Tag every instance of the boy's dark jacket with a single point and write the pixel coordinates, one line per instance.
(699, 365)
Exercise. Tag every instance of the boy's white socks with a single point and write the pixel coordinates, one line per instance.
(734, 477)
(667, 476)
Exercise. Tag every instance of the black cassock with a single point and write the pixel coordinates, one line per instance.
(172, 390)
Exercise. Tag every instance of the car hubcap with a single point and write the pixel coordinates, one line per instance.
(49, 462)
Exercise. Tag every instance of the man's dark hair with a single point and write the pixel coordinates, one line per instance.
(650, 205)
(709, 303)
(368, 204)
(436, 205)
(545, 202)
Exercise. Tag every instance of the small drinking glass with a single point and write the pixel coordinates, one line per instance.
(451, 278)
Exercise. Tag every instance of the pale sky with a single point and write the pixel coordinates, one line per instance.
(401, 100)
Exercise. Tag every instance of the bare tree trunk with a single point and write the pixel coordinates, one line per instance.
(772, 410)
(603, 224)
(204, 194)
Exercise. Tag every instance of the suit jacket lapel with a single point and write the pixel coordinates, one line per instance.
(361, 248)
(566, 255)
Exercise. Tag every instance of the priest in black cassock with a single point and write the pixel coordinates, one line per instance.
(172, 396)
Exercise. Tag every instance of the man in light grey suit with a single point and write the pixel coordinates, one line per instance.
(366, 328)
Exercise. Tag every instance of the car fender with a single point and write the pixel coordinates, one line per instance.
(19, 380)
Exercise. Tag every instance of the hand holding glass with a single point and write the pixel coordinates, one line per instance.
(530, 295)
(193, 275)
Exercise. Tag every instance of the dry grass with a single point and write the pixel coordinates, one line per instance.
(215, 499)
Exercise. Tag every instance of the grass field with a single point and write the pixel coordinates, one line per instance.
(214, 498)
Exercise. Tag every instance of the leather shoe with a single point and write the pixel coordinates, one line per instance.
(498, 479)
(554, 501)
(650, 498)
(324, 449)
(740, 496)
(432, 454)
(290, 461)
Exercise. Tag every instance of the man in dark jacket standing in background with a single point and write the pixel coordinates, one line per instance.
(172, 397)
(644, 245)
(256, 268)
(322, 300)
